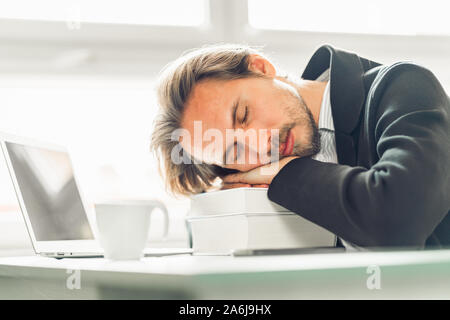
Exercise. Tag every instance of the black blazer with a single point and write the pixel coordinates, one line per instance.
(392, 184)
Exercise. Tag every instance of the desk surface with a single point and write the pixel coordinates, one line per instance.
(402, 275)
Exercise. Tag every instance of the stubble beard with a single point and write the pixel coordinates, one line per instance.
(302, 118)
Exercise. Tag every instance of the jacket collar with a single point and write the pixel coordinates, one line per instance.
(347, 91)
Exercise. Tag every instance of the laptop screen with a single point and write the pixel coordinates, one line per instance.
(50, 194)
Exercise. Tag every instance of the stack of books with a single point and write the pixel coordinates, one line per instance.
(222, 222)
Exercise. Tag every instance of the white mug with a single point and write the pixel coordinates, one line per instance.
(123, 227)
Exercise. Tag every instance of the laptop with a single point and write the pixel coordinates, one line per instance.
(51, 201)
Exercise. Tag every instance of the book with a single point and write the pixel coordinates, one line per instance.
(238, 200)
(221, 222)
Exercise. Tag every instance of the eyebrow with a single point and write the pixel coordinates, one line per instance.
(233, 118)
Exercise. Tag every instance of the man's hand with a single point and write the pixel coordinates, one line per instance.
(226, 186)
(258, 177)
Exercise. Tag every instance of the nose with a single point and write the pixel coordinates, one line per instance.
(271, 145)
(259, 151)
(274, 146)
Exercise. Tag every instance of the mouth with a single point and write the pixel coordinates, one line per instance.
(287, 147)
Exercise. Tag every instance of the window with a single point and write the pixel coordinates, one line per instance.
(143, 12)
(401, 17)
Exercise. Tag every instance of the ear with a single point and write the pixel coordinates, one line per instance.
(258, 64)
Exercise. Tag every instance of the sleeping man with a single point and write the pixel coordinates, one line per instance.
(359, 148)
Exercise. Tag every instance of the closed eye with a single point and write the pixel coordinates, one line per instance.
(244, 119)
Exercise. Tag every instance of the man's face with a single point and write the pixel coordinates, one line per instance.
(256, 105)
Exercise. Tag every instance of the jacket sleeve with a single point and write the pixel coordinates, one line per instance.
(401, 199)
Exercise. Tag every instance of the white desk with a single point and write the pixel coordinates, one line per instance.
(404, 275)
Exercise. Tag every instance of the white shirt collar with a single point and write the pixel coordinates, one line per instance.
(325, 116)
